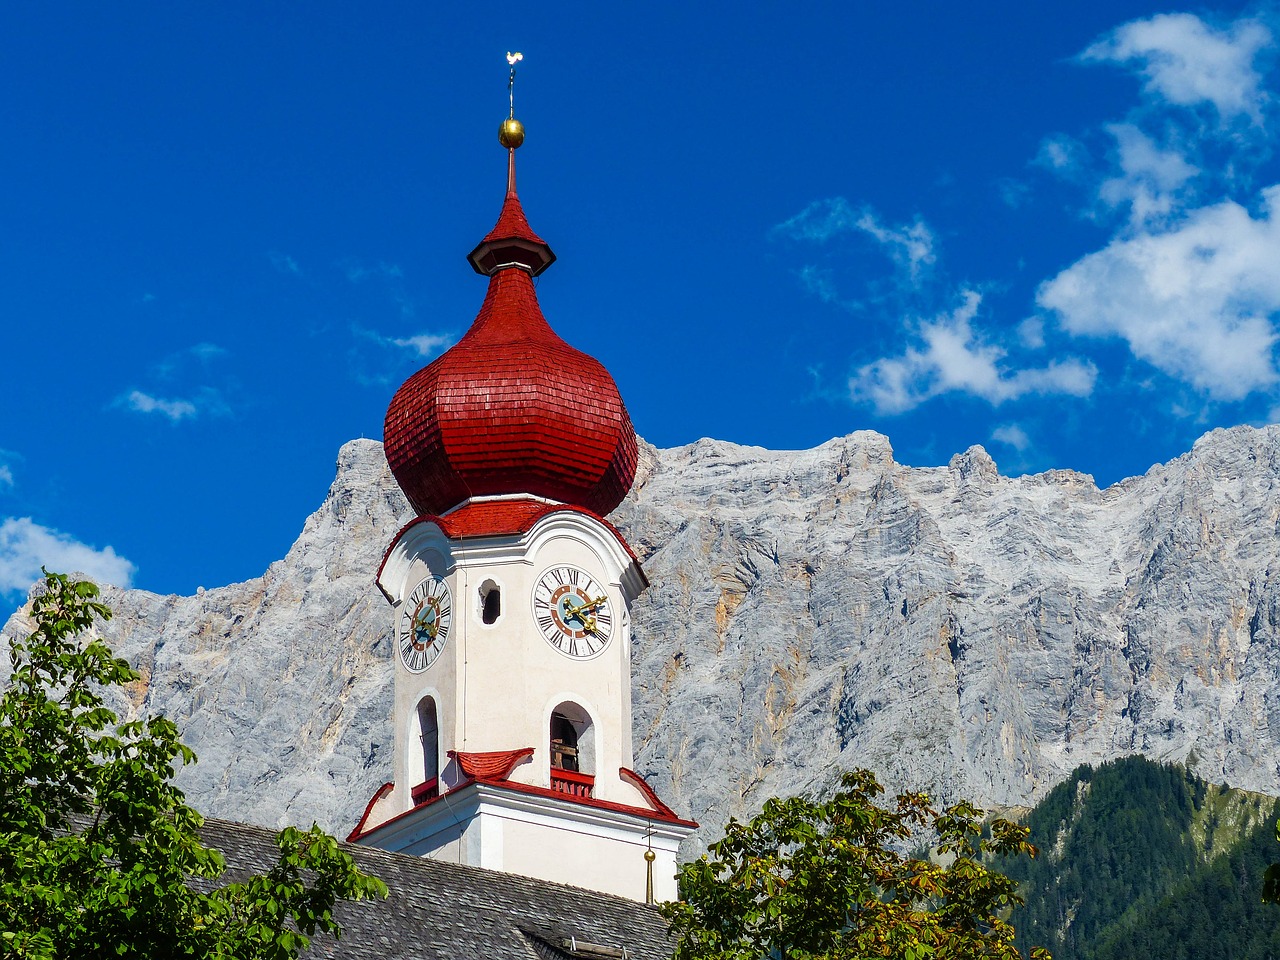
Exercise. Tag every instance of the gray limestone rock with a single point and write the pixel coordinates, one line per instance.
(955, 630)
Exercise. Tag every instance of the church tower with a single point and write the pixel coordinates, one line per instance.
(511, 600)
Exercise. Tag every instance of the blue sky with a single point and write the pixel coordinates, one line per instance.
(229, 231)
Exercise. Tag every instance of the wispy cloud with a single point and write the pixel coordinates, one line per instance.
(357, 272)
(375, 359)
(1012, 435)
(206, 403)
(1195, 300)
(196, 355)
(1185, 61)
(283, 263)
(909, 245)
(6, 476)
(424, 344)
(1013, 193)
(419, 344)
(819, 282)
(140, 402)
(1150, 177)
(1063, 155)
(25, 546)
(950, 357)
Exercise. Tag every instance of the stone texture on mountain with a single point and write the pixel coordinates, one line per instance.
(951, 628)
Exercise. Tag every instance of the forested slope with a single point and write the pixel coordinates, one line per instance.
(1141, 860)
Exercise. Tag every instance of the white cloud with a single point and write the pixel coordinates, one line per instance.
(180, 361)
(357, 272)
(1062, 154)
(1196, 300)
(911, 245)
(820, 221)
(818, 282)
(25, 546)
(1185, 61)
(1031, 332)
(1014, 193)
(205, 351)
(1150, 177)
(284, 263)
(424, 344)
(175, 410)
(6, 476)
(952, 358)
(1012, 435)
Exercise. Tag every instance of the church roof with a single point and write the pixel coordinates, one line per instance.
(440, 909)
(511, 408)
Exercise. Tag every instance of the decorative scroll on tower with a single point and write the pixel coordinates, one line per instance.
(512, 598)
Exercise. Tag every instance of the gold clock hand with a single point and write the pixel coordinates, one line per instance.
(594, 604)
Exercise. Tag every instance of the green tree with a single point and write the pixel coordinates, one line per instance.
(1271, 879)
(100, 854)
(825, 879)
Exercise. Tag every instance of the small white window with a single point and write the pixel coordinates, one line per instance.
(490, 602)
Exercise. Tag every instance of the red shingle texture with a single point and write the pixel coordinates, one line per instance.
(511, 240)
(511, 409)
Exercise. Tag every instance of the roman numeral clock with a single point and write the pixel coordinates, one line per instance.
(425, 617)
(572, 611)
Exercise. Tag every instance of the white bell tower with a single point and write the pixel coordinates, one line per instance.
(511, 603)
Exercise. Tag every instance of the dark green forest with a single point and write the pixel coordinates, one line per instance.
(1141, 860)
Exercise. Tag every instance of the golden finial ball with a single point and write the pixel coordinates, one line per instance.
(650, 856)
(511, 133)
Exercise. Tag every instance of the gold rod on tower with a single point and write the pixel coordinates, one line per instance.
(511, 133)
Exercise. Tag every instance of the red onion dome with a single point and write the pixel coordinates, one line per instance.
(511, 408)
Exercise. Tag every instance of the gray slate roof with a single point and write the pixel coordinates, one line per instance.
(446, 910)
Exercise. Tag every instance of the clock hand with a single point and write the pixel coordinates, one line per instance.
(431, 626)
(594, 604)
(575, 612)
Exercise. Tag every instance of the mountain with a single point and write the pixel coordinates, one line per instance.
(953, 629)
(1141, 860)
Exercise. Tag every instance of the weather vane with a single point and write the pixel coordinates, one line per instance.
(511, 133)
(513, 59)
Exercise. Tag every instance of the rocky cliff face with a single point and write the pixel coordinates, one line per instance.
(811, 611)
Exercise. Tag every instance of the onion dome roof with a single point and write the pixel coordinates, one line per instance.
(511, 409)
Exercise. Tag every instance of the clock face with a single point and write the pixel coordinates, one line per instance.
(572, 611)
(425, 618)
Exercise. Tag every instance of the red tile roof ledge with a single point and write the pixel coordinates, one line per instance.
(378, 794)
(639, 782)
(507, 517)
(657, 810)
(494, 765)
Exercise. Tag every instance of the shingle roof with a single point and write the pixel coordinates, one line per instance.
(509, 409)
(447, 910)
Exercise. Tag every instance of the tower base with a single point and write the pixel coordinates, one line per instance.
(535, 832)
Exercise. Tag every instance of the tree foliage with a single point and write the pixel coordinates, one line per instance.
(1148, 860)
(1271, 879)
(825, 879)
(100, 854)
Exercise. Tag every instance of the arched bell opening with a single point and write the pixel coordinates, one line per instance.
(428, 735)
(490, 603)
(572, 750)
